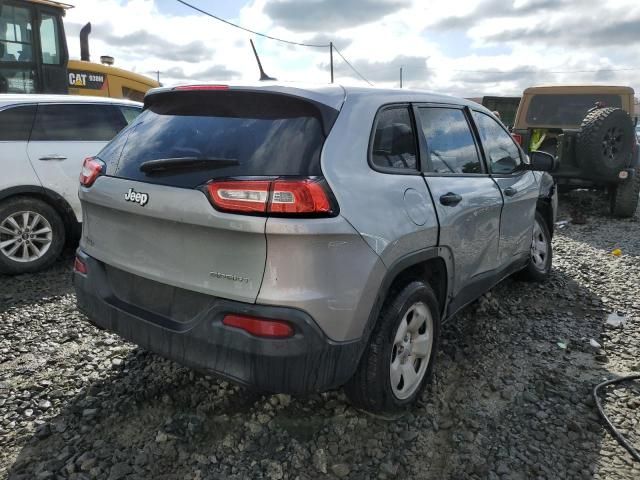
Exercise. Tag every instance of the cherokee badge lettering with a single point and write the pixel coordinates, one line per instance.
(227, 276)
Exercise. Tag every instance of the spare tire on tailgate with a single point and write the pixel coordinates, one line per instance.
(605, 141)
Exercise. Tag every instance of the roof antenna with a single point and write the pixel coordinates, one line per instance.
(263, 76)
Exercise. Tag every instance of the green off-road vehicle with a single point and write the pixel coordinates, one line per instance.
(591, 132)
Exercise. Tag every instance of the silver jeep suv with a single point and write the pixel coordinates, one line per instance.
(301, 239)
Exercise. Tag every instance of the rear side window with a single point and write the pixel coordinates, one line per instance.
(82, 122)
(236, 133)
(394, 142)
(16, 123)
(566, 109)
(449, 140)
(502, 152)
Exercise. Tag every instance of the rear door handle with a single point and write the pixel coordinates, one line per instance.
(510, 191)
(450, 199)
(52, 157)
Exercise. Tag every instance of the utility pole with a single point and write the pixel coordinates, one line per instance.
(331, 59)
(400, 77)
(158, 75)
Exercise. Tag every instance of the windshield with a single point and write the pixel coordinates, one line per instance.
(566, 110)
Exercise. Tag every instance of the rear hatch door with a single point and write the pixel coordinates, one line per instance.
(159, 224)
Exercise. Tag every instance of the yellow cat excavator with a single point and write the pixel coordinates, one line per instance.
(34, 57)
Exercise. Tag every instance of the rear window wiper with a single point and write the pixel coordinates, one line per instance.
(186, 163)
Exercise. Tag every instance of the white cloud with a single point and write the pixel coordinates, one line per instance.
(468, 43)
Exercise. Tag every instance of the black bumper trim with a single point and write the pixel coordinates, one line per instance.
(306, 362)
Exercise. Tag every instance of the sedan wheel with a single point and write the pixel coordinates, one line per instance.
(25, 236)
(32, 235)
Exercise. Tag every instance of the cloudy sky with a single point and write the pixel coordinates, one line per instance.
(462, 47)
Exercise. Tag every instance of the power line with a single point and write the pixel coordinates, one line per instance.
(352, 67)
(252, 31)
(329, 45)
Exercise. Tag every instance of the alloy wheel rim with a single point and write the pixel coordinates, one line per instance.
(411, 351)
(539, 248)
(25, 236)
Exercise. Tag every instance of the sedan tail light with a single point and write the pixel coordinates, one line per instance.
(281, 197)
(79, 266)
(92, 168)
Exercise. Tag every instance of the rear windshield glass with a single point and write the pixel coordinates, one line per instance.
(236, 133)
(566, 110)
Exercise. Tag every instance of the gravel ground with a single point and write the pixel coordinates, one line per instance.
(511, 397)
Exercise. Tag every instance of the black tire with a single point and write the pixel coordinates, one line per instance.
(536, 271)
(625, 197)
(605, 142)
(58, 235)
(370, 387)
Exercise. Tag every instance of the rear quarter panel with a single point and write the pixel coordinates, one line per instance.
(380, 206)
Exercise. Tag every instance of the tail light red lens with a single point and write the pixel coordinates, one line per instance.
(518, 138)
(79, 266)
(92, 168)
(299, 197)
(259, 327)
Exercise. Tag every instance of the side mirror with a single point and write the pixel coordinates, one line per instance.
(542, 161)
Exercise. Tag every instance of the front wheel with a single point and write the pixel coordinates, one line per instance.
(397, 363)
(32, 235)
(539, 266)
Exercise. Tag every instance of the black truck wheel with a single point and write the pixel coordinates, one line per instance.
(605, 142)
(624, 197)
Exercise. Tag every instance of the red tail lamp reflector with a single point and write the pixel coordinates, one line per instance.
(202, 87)
(259, 327)
(79, 266)
(91, 169)
(518, 138)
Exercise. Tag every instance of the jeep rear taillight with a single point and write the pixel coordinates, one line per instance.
(299, 197)
(281, 197)
(92, 168)
(518, 138)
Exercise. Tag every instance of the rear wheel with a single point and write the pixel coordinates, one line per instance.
(397, 363)
(540, 257)
(624, 197)
(32, 235)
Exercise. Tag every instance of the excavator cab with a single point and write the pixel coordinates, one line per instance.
(33, 47)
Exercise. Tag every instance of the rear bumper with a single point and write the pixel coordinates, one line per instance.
(306, 362)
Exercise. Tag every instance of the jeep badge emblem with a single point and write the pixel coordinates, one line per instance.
(136, 197)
